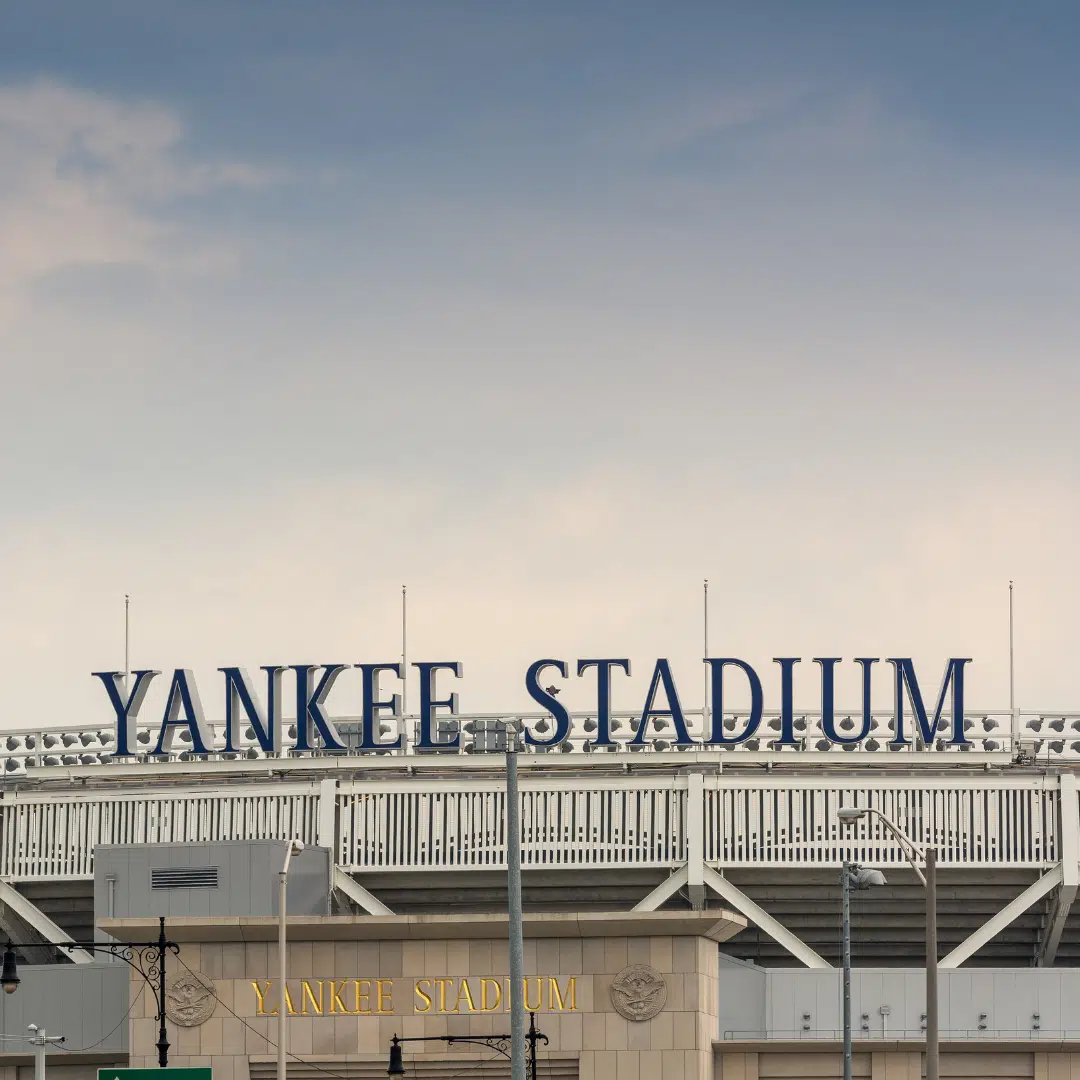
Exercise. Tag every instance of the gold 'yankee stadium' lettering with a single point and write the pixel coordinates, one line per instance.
(443, 995)
(487, 995)
(326, 997)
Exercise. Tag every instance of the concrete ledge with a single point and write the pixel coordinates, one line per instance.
(718, 925)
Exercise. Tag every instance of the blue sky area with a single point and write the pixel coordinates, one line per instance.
(550, 311)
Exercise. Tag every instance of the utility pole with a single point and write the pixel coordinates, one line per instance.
(517, 944)
(845, 889)
(41, 1042)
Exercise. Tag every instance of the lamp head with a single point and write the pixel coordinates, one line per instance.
(10, 977)
(397, 1065)
(866, 879)
(848, 814)
(297, 847)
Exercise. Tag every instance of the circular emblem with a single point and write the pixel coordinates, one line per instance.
(638, 992)
(189, 999)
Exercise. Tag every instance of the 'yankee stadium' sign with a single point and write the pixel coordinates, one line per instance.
(315, 729)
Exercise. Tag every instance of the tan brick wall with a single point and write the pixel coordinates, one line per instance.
(675, 1044)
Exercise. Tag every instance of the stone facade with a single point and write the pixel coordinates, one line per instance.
(360, 992)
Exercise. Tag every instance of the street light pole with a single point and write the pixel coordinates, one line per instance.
(145, 957)
(845, 883)
(928, 879)
(931, 966)
(499, 1043)
(517, 944)
(295, 848)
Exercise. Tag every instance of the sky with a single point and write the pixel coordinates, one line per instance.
(549, 312)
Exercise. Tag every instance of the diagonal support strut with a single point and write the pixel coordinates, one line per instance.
(1012, 911)
(345, 883)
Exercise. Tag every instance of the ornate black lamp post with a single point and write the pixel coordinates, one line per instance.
(145, 957)
(500, 1043)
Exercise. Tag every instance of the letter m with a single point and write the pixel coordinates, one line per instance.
(907, 685)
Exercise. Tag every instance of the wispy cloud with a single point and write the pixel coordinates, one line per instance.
(88, 179)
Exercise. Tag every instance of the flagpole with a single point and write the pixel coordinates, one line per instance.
(1014, 719)
(127, 638)
(705, 706)
(404, 660)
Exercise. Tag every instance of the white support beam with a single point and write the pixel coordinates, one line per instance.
(664, 891)
(760, 918)
(1069, 834)
(695, 840)
(327, 820)
(39, 922)
(1055, 925)
(1012, 911)
(344, 882)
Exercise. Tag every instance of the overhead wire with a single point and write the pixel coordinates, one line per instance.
(123, 1019)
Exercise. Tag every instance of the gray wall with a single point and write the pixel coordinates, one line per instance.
(742, 995)
(86, 1003)
(247, 880)
(800, 1003)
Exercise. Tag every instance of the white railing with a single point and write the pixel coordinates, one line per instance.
(997, 821)
(423, 823)
(51, 837)
(448, 825)
(1048, 736)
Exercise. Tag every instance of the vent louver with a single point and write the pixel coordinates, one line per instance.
(183, 877)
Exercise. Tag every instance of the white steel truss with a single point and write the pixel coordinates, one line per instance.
(348, 886)
(685, 819)
(13, 902)
(1012, 911)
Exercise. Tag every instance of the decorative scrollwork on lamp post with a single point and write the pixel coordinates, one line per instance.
(145, 957)
(499, 1043)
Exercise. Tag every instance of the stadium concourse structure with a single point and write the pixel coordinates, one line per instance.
(745, 829)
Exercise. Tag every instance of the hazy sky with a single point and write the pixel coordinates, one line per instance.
(550, 311)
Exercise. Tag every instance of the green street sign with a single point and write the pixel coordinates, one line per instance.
(160, 1074)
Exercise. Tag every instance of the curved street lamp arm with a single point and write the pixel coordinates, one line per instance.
(907, 845)
(134, 953)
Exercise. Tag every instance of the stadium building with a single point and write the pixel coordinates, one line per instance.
(682, 900)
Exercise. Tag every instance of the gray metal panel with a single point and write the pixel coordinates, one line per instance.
(86, 1003)
(741, 988)
(260, 871)
(309, 883)
(247, 879)
(1009, 997)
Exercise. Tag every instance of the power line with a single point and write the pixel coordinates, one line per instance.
(123, 1019)
(266, 1038)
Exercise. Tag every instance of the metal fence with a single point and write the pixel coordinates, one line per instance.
(991, 822)
(50, 837)
(423, 823)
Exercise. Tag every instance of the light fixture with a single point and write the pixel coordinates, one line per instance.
(397, 1065)
(850, 813)
(10, 978)
(862, 878)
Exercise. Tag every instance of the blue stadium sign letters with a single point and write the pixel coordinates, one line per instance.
(246, 708)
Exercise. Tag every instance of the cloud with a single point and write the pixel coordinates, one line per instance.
(88, 180)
